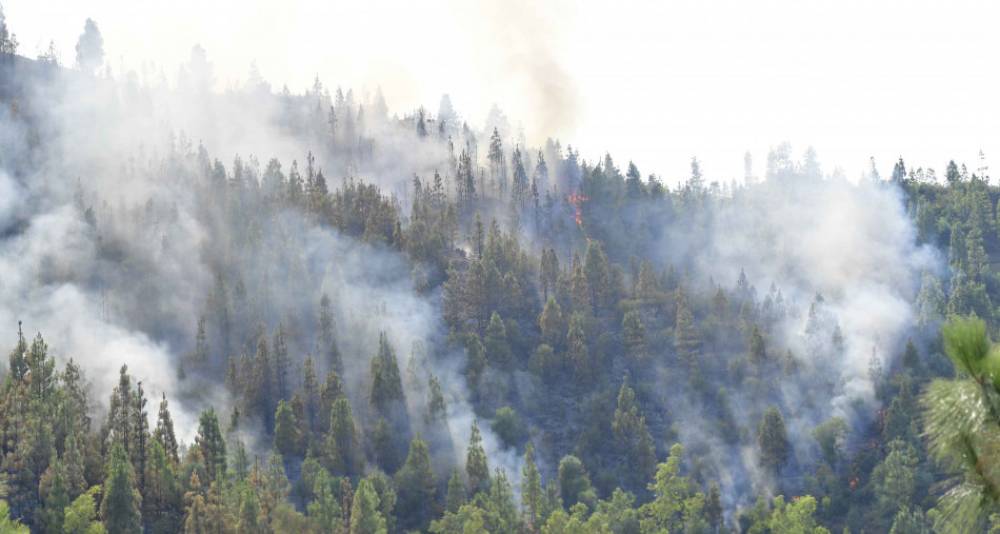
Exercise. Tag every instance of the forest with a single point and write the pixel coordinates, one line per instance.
(260, 310)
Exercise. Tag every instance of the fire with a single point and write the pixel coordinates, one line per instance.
(577, 200)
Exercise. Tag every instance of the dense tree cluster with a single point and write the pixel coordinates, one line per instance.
(583, 353)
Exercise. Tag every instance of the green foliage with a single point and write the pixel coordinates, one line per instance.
(120, 506)
(476, 468)
(366, 518)
(962, 426)
(772, 440)
(416, 487)
(574, 482)
(508, 427)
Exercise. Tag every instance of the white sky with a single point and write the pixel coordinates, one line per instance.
(656, 82)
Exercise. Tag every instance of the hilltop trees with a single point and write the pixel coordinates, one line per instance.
(90, 48)
(559, 309)
(8, 41)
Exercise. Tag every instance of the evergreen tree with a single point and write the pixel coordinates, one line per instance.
(417, 487)
(633, 439)
(55, 498)
(287, 438)
(387, 385)
(476, 468)
(552, 323)
(455, 497)
(574, 482)
(577, 351)
(772, 440)
(212, 445)
(634, 337)
(164, 433)
(531, 489)
(80, 517)
(120, 507)
(366, 518)
(498, 351)
(341, 450)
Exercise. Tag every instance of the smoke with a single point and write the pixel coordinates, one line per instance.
(527, 35)
(833, 270)
(108, 248)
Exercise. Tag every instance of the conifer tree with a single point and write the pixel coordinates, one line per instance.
(498, 351)
(634, 337)
(281, 364)
(161, 500)
(455, 497)
(341, 450)
(55, 497)
(633, 439)
(120, 507)
(164, 433)
(476, 468)
(387, 385)
(287, 439)
(531, 489)
(577, 351)
(552, 323)
(772, 440)
(80, 517)
(212, 445)
(416, 485)
(366, 518)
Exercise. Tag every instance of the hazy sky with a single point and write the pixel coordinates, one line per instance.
(656, 82)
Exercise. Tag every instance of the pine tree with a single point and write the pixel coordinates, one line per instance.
(55, 497)
(687, 341)
(416, 485)
(758, 350)
(281, 364)
(633, 439)
(161, 502)
(120, 418)
(327, 339)
(80, 517)
(577, 351)
(365, 515)
(384, 444)
(260, 389)
(387, 385)
(212, 445)
(598, 274)
(574, 482)
(74, 463)
(634, 337)
(140, 436)
(455, 497)
(531, 489)
(498, 351)
(120, 506)
(551, 323)
(164, 433)
(476, 468)
(333, 389)
(341, 450)
(549, 272)
(287, 439)
(772, 440)
(312, 398)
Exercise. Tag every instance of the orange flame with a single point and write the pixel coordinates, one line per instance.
(577, 200)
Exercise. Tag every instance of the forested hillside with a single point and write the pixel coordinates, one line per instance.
(264, 310)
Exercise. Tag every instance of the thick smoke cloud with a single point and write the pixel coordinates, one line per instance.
(834, 268)
(113, 170)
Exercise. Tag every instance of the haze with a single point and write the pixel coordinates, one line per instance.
(658, 82)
